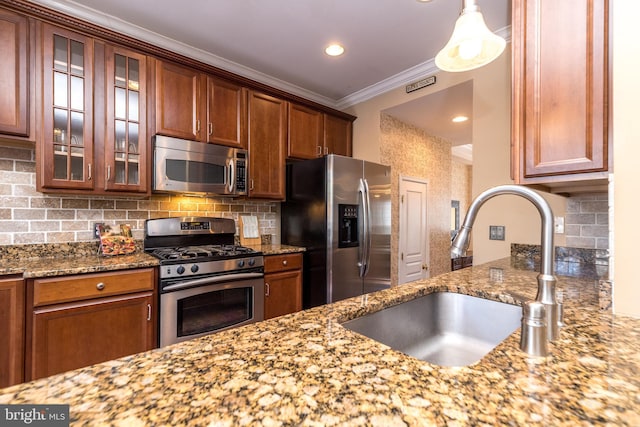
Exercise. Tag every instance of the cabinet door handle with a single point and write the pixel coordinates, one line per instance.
(318, 150)
(284, 262)
(210, 126)
(251, 185)
(197, 126)
(267, 289)
(89, 172)
(108, 172)
(148, 312)
(100, 286)
(326, 150)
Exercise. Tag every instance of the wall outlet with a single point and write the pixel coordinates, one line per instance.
(558, 224)
(96, 229)
(496, 232)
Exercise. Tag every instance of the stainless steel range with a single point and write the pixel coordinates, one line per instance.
(207, 283)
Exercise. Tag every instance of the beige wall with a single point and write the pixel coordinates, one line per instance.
(412, 152)
(461, 182)
(491, 166)
(626, 136)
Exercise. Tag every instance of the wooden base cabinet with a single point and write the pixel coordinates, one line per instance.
(283, 284)
(81, 320)
(11, 331)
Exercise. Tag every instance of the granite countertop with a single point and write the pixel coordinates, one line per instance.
(277, 249)
(33, 261)
(306, 369)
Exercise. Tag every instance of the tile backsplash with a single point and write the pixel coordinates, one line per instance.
(27, 216)
(587, 221)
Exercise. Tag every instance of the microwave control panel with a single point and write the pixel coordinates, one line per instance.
(241, 174)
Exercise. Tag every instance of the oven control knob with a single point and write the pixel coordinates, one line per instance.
(180, 269)
(194, 268)
(241, 263)
(252, 262)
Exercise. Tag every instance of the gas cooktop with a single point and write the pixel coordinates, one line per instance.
(202, 253)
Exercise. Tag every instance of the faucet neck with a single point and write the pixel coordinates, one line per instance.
(461, 242)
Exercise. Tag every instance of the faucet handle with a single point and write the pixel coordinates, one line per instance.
(533, 334)
(560, 308)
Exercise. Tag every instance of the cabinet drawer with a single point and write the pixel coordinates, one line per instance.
(273, 263)
(86, 286)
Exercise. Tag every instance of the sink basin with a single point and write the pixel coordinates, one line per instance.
(443, 328)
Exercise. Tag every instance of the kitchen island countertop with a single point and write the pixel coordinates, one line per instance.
(306, 369)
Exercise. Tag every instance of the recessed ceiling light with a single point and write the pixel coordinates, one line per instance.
(423, 1)
(334, 50)
(459, 119)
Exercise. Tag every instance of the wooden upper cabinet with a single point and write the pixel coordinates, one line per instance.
(305, 136)
(125, 143)
(226, 113)
(14, 84)
(314, 134)
(179, 103)
(267, 139)
(337, 135)
(65, 155)
(195, 106)
(560, 90)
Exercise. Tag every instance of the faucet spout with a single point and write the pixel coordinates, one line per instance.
(546, 280)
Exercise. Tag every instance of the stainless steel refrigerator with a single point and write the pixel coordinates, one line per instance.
(339, 209)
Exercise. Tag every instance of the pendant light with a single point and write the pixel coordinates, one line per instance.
(472, 44)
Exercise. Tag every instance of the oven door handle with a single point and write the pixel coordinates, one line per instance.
(211, 280)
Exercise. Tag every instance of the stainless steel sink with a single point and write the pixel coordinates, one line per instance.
(443, 328)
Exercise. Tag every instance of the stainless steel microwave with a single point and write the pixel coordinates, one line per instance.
(191, 167)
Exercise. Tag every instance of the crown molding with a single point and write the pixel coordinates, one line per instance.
(119, 25)
(402, 78)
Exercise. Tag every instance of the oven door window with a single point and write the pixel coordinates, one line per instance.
(195, 172)
(214, 310)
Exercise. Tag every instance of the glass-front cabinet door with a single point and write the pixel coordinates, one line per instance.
(67, 75)
(125, 136)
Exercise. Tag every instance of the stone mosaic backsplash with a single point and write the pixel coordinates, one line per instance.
(574, 262)
(563, 254)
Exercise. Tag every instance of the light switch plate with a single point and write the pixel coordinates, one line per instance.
(558, 224)
(496, 232)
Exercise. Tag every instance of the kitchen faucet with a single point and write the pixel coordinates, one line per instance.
(546, 280)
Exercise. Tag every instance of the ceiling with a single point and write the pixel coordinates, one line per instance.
(388, 43)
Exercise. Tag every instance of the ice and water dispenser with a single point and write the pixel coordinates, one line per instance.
(348, 226)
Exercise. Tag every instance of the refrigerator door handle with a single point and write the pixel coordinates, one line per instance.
(367, 228)
(362, 192)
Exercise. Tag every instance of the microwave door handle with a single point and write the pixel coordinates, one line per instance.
(231, 176)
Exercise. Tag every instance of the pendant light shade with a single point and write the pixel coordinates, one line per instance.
(472, 44)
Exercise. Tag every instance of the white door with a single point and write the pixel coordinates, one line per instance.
(413, 242)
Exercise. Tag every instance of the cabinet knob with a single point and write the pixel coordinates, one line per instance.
(100, 286)
(425, 267)
(284, 262)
